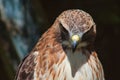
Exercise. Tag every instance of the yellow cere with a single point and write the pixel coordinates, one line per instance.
(75, 37)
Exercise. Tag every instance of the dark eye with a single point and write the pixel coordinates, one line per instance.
(64, 33)
(89, 36)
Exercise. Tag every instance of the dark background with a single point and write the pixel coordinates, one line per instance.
(106, 14)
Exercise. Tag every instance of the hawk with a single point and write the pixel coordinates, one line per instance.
(65, 51)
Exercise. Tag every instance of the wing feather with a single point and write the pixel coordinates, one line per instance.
(26, 68)
(49, 53)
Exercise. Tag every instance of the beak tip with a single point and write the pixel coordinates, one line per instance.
(74, 45)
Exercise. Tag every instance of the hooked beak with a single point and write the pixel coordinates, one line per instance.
(75, 41)
(74, 45)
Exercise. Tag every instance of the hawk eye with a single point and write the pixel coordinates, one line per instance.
(89, 36)
(64, 32)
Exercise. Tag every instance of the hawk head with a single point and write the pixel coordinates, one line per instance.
(77, 29)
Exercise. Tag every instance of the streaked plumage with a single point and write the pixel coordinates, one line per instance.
(65, 51)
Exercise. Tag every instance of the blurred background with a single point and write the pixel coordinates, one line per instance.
(22, 22)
